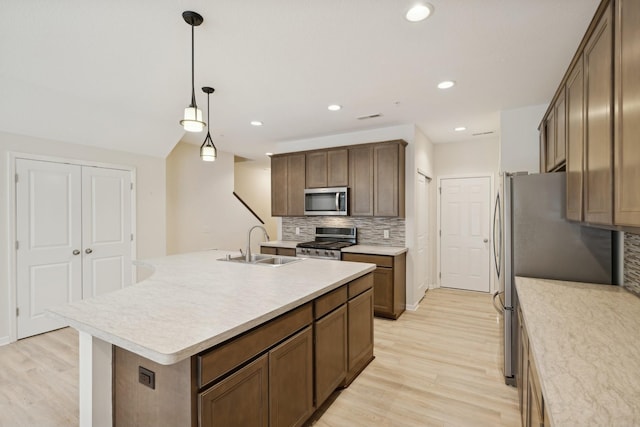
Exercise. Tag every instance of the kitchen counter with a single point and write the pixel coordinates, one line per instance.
(375, 250)
(585, 341)
(193, 302)
(289, 244)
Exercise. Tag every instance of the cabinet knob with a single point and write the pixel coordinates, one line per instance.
(88, 250)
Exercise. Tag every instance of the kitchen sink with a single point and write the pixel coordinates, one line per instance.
(258, 259)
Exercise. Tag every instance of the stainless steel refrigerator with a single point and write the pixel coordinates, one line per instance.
(532, 238)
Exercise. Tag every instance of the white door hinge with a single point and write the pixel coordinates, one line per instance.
(17, 312)
(16, 178)
(131, 185)
(17, 245)
(440, 190)
(440, 275)
(132, 237)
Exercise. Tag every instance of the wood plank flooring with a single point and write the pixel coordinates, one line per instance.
(437, 366)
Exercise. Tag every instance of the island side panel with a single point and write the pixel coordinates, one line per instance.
(95, 380)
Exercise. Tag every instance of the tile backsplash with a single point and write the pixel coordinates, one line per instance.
(632, 262)
(370, 230)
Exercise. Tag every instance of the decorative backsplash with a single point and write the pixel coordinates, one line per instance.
(370, 230)
(632, 262)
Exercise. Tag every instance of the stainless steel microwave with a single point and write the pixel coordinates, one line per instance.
(326, 201)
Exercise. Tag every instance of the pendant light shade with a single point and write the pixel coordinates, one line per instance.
(208, 151)
(192, 119)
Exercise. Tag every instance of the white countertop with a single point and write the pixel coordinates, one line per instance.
(585, 341)
(193, 302)
(375, 250)
(290, 244)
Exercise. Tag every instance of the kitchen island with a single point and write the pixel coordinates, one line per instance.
(189, 314)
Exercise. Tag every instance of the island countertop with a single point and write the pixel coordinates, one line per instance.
(585, 343)
(193, 302)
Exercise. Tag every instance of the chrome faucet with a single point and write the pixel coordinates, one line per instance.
(247, 255)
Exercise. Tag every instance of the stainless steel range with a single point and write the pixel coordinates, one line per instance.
(329, 241)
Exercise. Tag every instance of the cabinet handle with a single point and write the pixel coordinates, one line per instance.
(76, 252)
(88, 250)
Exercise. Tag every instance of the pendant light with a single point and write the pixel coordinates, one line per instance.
(192, 121)
(208, 151)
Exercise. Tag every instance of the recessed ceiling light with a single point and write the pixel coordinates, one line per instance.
(256, 123)
(460, 128)
(334, 107)
(419, 12)
(268, 154)
(446, 84)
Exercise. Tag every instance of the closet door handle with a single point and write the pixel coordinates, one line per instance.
(88, 251)
(76, 252)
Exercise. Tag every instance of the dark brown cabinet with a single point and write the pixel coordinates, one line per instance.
(287, 184)
(361, 181)
(327, 168)
(575, 140)
(550, 140)
(291, 381)
(360, 333)
(389, 282)
(598, 170)
(269, 250)
(239, 400)
(627, 113)
(331, 352)
(554, 129)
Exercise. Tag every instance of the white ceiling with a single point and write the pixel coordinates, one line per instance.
(116, 74)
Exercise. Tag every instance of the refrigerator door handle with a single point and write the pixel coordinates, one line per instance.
(497, 225)
(500, 309)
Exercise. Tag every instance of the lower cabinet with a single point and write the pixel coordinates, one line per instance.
(291, 381)
(331, 352)
(269, 250)
(239, 400)
(360, 332)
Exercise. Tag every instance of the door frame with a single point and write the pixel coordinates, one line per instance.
(492, 192)
(12, 223)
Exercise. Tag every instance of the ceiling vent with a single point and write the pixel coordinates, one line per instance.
(482, 133)
(370, 116)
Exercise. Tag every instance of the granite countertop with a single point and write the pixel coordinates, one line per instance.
(193, 302)
(290, 244)
(375, 250)
(585, 340)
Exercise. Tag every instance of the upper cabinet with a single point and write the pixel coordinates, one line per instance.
(373, 172)
(287, 184)
(327, 168)
(601, 93)
(598, 173)
(627, 113)
(554, 130)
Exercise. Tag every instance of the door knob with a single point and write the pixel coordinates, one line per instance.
(486, 240)
(88, 250)
(76, 252)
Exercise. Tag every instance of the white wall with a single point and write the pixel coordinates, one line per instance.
(202, 212)
(252, 182)
(150, 204)
(519, 139)
(469, 157)
(420, 156)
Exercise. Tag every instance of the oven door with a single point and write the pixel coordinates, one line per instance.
(326, 201)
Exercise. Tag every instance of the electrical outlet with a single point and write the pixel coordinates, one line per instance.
(386, 234)
(147, 377)
(298, 231)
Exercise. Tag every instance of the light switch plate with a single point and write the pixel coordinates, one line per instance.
(298, 230)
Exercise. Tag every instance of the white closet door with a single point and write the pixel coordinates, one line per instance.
(106, 230)
(48, 211)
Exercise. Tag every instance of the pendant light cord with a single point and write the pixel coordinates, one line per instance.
(193, 91)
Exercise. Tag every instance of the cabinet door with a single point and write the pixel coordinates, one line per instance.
(575, 141)
(598, 207)
(360, 318)
(331, 353)
(550, 139)
(279, 186)
(338, 168)
(286, 251)
(316, 169)
(240, 400)
(627, 125)
(268, 250)
(295, 184)
(361, 181)
(383, 291)
(291, 380)
(560, 114)
(386, 180)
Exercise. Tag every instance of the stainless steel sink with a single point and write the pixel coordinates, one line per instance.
(268, 260)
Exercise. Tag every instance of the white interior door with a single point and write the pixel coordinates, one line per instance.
(422, 248)
(465, 232)
(49, 272)
(106, 230)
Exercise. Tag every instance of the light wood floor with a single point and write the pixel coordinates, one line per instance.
(437, 366)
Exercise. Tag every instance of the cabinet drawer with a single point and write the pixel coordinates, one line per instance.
(379, 260)
(268, 250)
(224, 358)
(361, 284)
(330, 301)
